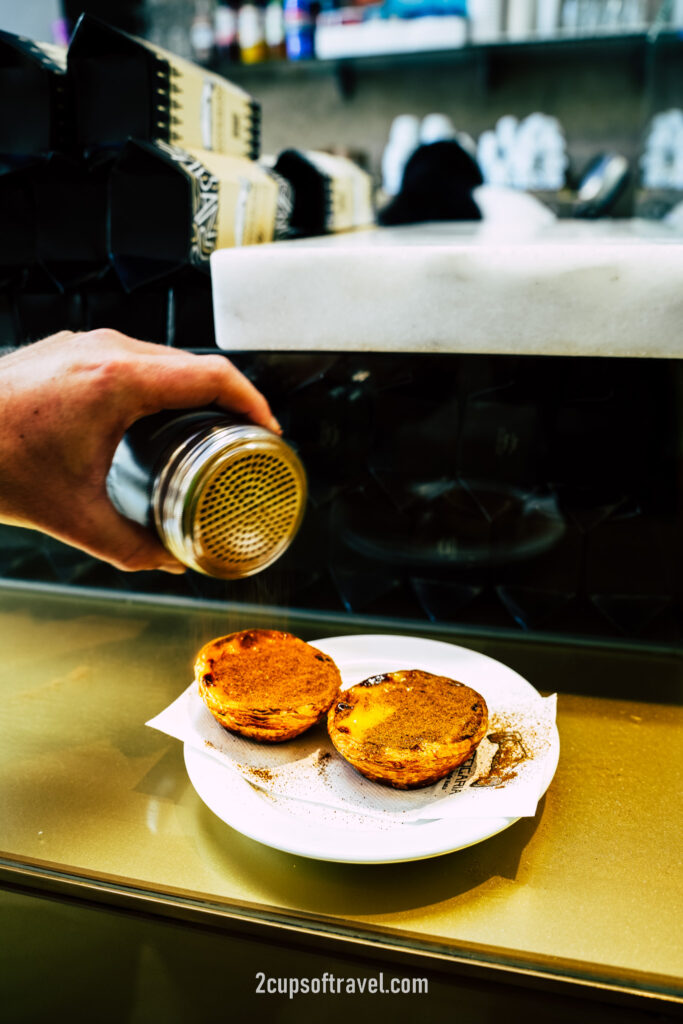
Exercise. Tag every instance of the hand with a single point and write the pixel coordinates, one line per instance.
(66, 403)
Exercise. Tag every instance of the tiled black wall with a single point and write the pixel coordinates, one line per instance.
(175, 311)
(490, 490)
(537, 493)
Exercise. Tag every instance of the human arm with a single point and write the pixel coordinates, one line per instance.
(67, 401)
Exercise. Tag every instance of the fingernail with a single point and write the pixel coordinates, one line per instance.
(275, 426)
(175, 567)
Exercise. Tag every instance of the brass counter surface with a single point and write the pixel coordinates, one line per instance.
(590, 888)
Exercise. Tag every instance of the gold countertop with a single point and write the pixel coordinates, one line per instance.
(590, 888)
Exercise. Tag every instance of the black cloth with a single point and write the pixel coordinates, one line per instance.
(437, 185)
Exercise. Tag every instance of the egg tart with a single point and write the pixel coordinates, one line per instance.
(264, 684)
(407, 729)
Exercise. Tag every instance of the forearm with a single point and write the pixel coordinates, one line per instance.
(66, 403)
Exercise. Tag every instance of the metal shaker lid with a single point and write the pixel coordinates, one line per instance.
(230, 500)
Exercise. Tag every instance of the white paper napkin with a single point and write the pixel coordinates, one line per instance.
(504, 778)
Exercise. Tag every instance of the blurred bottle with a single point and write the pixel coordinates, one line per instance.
(202, 32)
(275, 30)
(548, 18)
(491, 159)
(530, 154)
(569, 17)
(251, 33)
(588, 16)
(662, 160)
(521, 18)
(486, 20)
(404, 138)
(540, 158)
(436, 127)
(167, 25)
(225, 29)
(494, 151)
(299, 29)
(610, 12)
(633, 15)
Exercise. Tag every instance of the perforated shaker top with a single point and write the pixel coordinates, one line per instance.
(247, 512)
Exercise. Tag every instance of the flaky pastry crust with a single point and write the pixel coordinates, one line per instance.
(264, 684)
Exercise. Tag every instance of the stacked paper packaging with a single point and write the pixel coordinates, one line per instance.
(186, 180)
(201, 130)
(172, 150)
(188, 138)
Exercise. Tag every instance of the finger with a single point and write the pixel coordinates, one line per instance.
(202, 380)
(238, 393)
(205, 380)
(124, 544)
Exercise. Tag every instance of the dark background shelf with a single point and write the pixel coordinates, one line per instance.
(636, 48)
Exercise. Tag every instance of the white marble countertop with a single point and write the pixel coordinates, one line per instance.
(538, 286)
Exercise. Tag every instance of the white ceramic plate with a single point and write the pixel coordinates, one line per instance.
(293, 827)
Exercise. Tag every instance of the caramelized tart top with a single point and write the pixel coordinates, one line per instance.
(260, 668)
(407, 710)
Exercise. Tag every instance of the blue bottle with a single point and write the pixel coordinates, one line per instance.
(299, 29)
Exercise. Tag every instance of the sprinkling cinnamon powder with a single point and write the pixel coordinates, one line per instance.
(260, 773)
(511, 752)
(421, 708)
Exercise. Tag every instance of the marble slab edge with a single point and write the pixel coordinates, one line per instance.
(581, 299)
